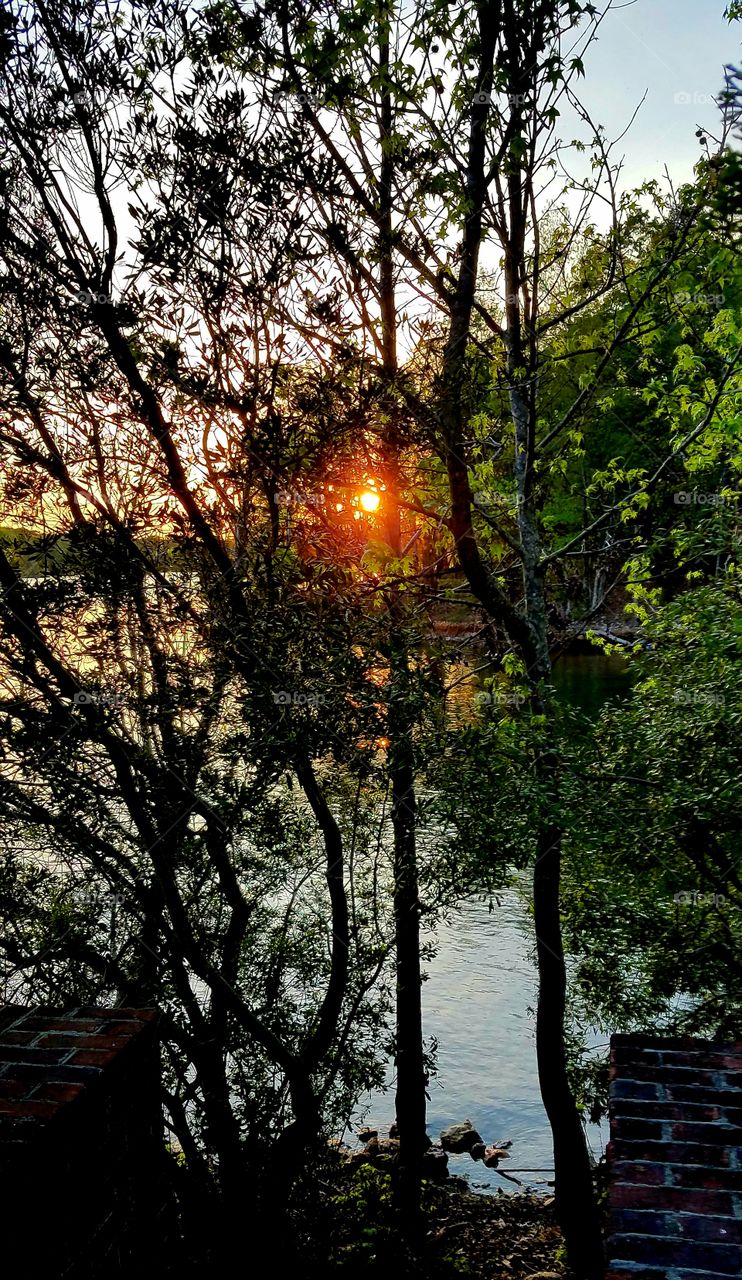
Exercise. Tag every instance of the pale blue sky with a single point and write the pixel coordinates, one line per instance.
(667, 47)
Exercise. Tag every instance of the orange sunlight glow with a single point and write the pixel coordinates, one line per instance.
(370, 500)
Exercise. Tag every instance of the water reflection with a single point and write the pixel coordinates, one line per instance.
(478, 1003)
(479, 1000)
(588, 680)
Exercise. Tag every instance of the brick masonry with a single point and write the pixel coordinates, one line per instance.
(675, 1159)
(83, 1182)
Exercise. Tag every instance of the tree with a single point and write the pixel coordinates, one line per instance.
(300, 311)
(188, 697)
(469, 149)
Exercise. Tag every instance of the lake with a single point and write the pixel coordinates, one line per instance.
(478, 1004)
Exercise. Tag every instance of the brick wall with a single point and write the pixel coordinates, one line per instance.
(84, 1190)
(675, 1159)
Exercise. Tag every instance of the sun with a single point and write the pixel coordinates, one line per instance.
(370, 500)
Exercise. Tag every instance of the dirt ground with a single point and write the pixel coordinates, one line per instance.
(506, 1236)
(497, 1237)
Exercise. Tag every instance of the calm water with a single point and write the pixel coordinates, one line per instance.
(478, 1003)
(587, 680)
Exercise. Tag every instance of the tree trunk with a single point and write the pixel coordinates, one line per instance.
(411, 1080)
(235, 1209)
(577, 1207)
(575, 1194)
(410, 1096)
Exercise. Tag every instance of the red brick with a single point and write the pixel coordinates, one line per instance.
(635, 1089)
(688, 1075)
(15, 1054)
(61, 1023)
(671, 1153)
(93, 1058)
(644, 1222)
(626, 1054)
(630, 1127)
(107, 1042)
(71, 1040)
(35, 1073)
(648, 1040)
(97, 1011)
(697, 1178)
(691, 1132)
(62, 1039)
(19, 1037)
(665, 1110)
(94, 1181)
(698, 1254)
(28, 1107)
(130, 1028)
(51, 1092)
(639, 1172)
(119, 1015)
(699, 1227)
(712, 1060)
(674, 1199)
(691, 1093)
(674, 1205)
(13, 1088)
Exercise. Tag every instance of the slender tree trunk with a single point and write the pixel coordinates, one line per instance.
(410, 1063)
(235, 1207)
(410, 1059)
(575, 1194)
(288, 1157)
(410, 1096)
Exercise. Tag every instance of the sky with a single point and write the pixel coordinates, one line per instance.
(675, 50)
